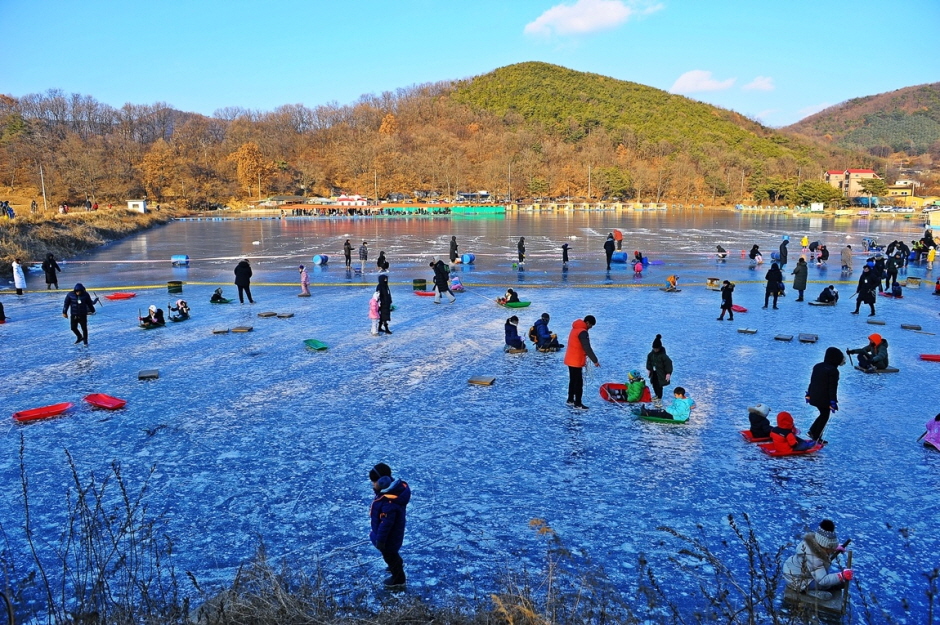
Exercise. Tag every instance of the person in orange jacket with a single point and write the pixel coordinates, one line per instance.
(784, 436)
(576, 356)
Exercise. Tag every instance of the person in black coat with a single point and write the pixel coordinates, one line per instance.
(774, 278)
(513, 340)
(521, 249)
(867, 283)
(609, 248)
(49, 267)
(79, 304)
(453, 248)
(823, 390)
(385, 304)
(783, 251)
(382, 262)
(441, 282)
(243, 281)
(347, 252)
(879, 270)
(727, 301)
(564, 254)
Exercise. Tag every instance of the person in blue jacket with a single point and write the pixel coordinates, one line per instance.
(387, 515)
(513, 340)
(545, 340)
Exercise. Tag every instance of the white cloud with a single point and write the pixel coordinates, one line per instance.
(761, 83)
(699, 80)
(587, 16)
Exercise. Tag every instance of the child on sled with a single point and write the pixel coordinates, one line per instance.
(679, 410)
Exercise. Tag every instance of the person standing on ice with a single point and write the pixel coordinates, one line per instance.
(609, 249)
(387, 516)
(799, 278)
(847, 259)
(658, 369)
(385, 303)
(783, 250)
(727, 301)
(304, 282)
(441, 282)
(774, 277)
(520, 247)
(823, 391)
(347, 252)
(453, 248)
(363, 256)
(79, 304)
(19, 278)
(374, 313)
(865, 291)
(243, 281)
(50, 267)
(576, 357)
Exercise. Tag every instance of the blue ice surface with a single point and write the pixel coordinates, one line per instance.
(252, 435)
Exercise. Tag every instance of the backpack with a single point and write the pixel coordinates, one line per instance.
(896, 290)
(533, 335)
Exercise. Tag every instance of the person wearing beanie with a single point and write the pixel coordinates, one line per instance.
(727, 300)
(658, 369)
(636, 386)
(385, 303)
(576, 357)
(808, 570)
(387, 519)
(823, 390)
(783, 251)
(799, 277)
(873, 356)
(867, 283)
(760, 424)
(609, 248)
(513, 340)
(564, 254)
(79, 304)
(774, 278)
(545, 340)
(453, 249)
(153, 319)
(520, 247)
(892, 267)
(755, 255)
(304, 282)
(784, 436)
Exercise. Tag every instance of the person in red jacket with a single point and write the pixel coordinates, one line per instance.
(576, 356)
(784, 436)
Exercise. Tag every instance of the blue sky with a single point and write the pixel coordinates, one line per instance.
(776, 61)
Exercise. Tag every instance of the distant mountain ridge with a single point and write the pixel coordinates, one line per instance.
(905, 120)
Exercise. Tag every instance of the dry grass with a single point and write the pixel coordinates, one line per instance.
(31, 237)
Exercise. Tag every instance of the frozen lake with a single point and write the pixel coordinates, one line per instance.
(254, 436)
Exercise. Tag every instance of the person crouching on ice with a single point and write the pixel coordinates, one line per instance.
(807, 571)
(873, 356)
(154, 317)
(829, 295)
(513, 340)
(672, 283)
(182, 310)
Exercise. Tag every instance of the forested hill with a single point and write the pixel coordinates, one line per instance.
(572, 104)
(906, 120)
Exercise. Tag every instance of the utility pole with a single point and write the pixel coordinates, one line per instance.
(42, 181)
(375, 182)
(589, 184)
(510, 181)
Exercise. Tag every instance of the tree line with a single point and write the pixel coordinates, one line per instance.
(426, 138)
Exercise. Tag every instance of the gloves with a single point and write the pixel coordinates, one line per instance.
(834, 405)
(840, 549)
(846, 575)
(807, 399)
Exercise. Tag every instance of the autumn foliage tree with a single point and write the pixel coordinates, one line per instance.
(251, 167)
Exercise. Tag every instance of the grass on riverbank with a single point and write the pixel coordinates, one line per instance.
(31, 237)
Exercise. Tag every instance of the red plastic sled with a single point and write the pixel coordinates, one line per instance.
(746, 435)
(114, 296)
(100, 400)
(425, 293)
(770, 450)
(41, 413)
(930, 357)
(617, 393)
(737, 308)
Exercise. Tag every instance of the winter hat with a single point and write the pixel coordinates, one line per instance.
(513, 320)
(152, 308)
(875, 338)
(380, 470)
(761, 409)
(634, 375)
(79, 287)
(301, 268)
(785, 420)
(825, 535)
(545, 316)
(658, 342)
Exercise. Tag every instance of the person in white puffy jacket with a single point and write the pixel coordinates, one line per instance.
(808, 570)
(19, 278)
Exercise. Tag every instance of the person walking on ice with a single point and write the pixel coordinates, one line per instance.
(79, 305)
(387, 516)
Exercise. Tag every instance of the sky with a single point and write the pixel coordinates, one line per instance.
(773, 61)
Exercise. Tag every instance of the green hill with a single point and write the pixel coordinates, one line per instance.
(571, 104)
(906, 120)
